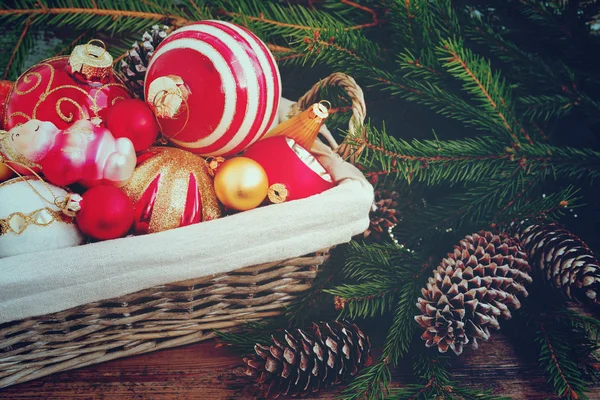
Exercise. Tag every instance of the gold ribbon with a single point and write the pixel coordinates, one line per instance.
(165, 93)
(68, 204)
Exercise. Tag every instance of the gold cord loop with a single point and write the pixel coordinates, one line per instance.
(159, 100)
(68, 205)
(87, 48)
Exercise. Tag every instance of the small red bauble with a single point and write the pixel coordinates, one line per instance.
(214, 87)
(106, 213)
(293, 172)
(133, 119)
(63, 90)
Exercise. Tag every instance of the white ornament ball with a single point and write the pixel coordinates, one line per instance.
(29, 224)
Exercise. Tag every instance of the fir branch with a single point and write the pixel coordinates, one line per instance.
(548, 207)
(433, 162)
(415, 68)
(425, 91)
(581, 321)
(276, 15)
(400, 333)
(18, 49)
(386, 261)
(536, 75)
(486, 86)
(556, 364)
(471, 160)
(348, 51)
(269, 19)
(444, 21)
(525, 64)
(109, 18)
(565, 344)
(546, 13)
(388, 277)
(546, 107)
(375, 17)
(402, 20)
(371, 384)
(433, 370)
(365, 300)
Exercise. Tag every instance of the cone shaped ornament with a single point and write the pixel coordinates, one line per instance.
(304, 127)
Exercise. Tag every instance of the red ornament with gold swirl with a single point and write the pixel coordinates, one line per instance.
(63, 90)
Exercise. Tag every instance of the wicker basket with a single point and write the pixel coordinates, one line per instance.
(168, 315)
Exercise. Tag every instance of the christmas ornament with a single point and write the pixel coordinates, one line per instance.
(5, 172)
(241, 183)
(63, 90)
(384, 216)
(135, 64)
(293, 172)
(133, 119)
(226, 101)
(563, 259)
(5, 88)
(304, 127)
(83, 153)
(477, 283)
(171, 188)
(306, 361)
(106, 213)
(31, 221)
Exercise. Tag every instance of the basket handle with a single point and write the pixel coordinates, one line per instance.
(359, 111)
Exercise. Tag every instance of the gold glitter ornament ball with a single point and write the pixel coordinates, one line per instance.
(241, 183)
(171, 188)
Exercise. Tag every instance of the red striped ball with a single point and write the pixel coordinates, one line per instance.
(232, 83)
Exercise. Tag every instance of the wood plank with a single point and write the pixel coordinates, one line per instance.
(202, 371)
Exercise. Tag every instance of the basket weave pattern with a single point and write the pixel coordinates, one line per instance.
(168, 315)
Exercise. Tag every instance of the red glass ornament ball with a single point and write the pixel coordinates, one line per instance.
(293, 171)
(133, 119)
(5, 88)
(106, 213)
(215, 87)
(50, 91)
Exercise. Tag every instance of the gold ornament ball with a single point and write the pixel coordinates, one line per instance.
(171, 188)
(5, 172)
(241, 183)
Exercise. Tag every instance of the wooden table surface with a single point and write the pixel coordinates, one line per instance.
(203, 371)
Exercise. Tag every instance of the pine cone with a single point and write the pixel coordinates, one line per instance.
(564, 260)
(135, 64)
(384, 215)
(477, 283)
(306, 362)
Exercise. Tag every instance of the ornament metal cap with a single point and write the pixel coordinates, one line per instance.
(93, 62)
(167, 96)
(320, 110)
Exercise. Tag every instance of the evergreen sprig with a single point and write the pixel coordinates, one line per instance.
(437, 383)
(487, 87)
(483, 64)
(566, 341)
(471, 160)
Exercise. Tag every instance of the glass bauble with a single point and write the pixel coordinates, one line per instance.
(63, 90)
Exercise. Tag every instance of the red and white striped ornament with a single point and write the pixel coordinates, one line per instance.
(214, 86)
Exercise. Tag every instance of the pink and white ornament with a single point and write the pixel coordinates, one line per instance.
(214, 86)
(84, 152)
